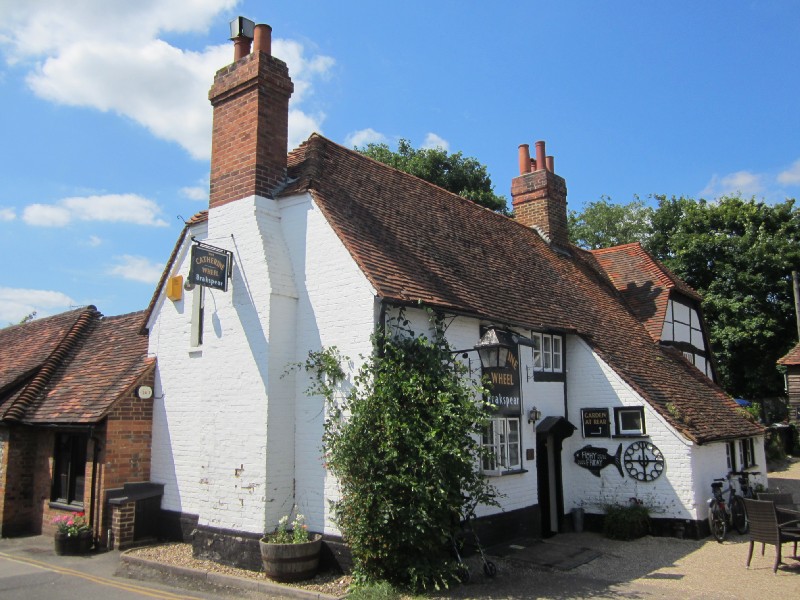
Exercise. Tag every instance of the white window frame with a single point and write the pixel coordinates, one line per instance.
(548, 352)
(730, 455)
(747, 453)
(620, 430)
(502, 438)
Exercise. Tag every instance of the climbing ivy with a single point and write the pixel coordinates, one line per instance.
(404, 445)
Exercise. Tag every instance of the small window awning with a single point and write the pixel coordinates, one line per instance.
(557, 426)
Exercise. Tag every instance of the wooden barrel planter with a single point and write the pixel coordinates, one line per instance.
(291, 562)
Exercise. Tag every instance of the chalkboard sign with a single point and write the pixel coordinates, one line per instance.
(595, 422)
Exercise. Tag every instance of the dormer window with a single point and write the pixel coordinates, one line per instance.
(684, 330)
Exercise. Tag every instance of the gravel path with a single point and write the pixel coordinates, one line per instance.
(646, 568)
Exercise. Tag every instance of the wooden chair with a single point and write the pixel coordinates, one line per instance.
(764, 528)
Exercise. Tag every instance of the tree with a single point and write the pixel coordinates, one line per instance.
(603, 224)
(456, 173)
(739, 254)
(404, 446)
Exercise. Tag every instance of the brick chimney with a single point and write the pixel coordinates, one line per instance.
(251, 119)
(539, 196)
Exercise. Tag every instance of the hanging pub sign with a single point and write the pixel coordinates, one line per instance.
(503, 384)
(595, 422)
(211, 267)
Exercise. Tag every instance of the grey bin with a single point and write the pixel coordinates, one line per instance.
(577, 520)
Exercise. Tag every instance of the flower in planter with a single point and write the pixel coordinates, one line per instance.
(283, 534)
(72, 524)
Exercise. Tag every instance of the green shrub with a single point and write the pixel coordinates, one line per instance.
(626, 522)
(374, 591)
(773, 446)
(404, 446)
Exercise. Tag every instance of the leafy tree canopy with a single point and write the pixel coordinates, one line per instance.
(738, 254)
(603, 224)
(456, 173)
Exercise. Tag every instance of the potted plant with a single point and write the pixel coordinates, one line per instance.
(290, 554)
(73, 534)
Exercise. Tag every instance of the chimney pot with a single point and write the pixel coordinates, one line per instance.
(524, 159)
(262, 41)
(550, 164)
(540, 155)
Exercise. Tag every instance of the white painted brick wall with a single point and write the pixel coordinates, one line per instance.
(237, 441)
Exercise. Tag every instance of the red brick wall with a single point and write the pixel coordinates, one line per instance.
(26, 466)
(251, 125)
(22, 461)
(539, 200)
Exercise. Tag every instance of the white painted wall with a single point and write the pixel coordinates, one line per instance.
(593, 384)
(236, 440)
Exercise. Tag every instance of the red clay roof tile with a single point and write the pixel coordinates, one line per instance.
(417, 242)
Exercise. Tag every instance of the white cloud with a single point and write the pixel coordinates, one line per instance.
(790, 176)
(133, 72)
(744, 182)
(46, 215)
(17, 303)
(194, 193)
(137, 268)
(434, 141)
(112, 208)
(7, 214)
(94, 241)
(363, 137)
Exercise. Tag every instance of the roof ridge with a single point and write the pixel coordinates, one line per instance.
(50, 366)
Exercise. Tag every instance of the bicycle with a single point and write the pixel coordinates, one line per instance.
(722, 515)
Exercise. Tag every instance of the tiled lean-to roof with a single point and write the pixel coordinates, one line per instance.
(70, 368)
(416, 242)
(791, 358)
(644, 283)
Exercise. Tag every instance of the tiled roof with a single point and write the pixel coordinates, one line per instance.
(643, 281)
(792, 357)
(416, 242)
(91, 363)
(23, 348)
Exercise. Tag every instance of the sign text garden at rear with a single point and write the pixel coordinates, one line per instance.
(211, 267)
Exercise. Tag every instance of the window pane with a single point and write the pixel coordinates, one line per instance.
(547, 353)
(537, 351)
(513, 443)
(631, 420)
(556, 353)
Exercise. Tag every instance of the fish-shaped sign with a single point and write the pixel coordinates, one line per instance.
(596, 459)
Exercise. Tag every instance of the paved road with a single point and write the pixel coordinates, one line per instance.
(646, 568)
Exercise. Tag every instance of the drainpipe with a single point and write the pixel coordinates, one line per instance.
(95, 457)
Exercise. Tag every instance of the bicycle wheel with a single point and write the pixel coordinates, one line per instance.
(739, 515)
(719, 528)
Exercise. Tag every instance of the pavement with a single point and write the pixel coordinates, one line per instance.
(573, 565)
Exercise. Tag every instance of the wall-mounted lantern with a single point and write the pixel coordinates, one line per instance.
(494, 347)
(534, 414)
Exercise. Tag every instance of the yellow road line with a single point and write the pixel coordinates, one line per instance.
(129, 587)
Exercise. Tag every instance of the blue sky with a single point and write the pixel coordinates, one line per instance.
(106, 125)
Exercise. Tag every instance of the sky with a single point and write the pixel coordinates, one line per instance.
(105, 125)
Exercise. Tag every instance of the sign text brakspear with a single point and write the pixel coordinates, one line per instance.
(211, 267)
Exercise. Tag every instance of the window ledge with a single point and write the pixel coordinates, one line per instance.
(504, 473)
(630, 435)
(64, 506)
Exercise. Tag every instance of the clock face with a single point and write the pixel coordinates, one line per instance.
(643, 461)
